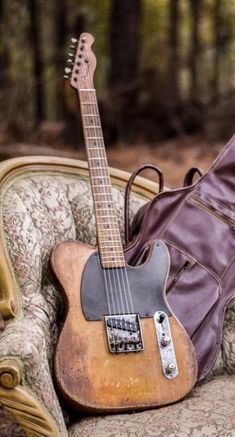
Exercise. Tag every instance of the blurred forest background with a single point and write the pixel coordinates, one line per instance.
(165, 81)
(165, 75)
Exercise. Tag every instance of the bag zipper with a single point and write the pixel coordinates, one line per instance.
(182, 269)
(211, 211)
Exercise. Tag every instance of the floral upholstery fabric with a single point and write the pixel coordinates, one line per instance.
(208, 411)
(38, 211)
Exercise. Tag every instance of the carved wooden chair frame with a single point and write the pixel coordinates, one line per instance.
(15, 397)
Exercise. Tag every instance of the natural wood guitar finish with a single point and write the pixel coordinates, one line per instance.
(92, 378)
(115, 357)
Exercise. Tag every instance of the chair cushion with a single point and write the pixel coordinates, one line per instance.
(208, 411)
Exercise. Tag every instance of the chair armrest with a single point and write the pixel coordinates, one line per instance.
(23, 345)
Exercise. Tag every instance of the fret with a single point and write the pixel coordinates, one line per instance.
(105, 202)
(94, 138)
(96, 148)
(99, 168)
(97, 159)
(113, 258)
(93, 127)
(103, 194)
(106, 216)
(104, 243)
(86, 89)
(109, 252)
(101, 176)
(90, 115)
(106, 209)
(101, 185)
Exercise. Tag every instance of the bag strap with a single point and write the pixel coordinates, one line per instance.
(188, 179)
(128, 192)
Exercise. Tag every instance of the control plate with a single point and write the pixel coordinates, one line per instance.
(165, 344)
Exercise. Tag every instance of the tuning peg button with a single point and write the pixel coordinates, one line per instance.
(74, 40)
(69, 61)
(67, 70)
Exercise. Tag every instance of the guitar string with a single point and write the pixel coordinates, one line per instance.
(107, 278)
(115, 274)
(124, 278)
(107, 272)
(121, 275)
(110, 299)
(115, 270)
(100, 153)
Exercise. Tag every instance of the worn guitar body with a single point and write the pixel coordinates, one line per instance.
(89, 376)
(120, 348)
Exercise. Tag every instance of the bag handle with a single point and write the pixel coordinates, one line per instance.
(188, 179)
(128, 192)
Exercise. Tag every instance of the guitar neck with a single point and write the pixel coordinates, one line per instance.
(108, 234)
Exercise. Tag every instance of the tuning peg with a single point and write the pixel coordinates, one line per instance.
(74, 40)
(67, 70)
(71, 55)
(69, 61)
(72, 47)
(65, 76)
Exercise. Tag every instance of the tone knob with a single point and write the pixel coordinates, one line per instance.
(165, 340)
(170, 368)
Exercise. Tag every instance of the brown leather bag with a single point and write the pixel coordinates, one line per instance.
(197, 222)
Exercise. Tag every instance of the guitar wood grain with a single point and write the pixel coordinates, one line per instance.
(89, 376)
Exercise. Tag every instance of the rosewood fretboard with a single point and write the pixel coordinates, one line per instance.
(108, 234)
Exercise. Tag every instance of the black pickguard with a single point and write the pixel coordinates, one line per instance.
(147, 285)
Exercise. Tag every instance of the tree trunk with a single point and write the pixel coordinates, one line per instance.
(195, 6)
(173, 67)
(4, 58)
(35, 36)
(125, 41)
(125, 21)
(60, 26)
(217, 48)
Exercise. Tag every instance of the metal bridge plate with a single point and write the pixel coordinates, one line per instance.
(124, 333)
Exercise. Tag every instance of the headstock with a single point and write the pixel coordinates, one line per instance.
(81, 62)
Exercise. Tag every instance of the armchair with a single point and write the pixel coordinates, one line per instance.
(43, 201)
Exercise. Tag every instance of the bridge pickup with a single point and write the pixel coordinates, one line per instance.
(124, 333)
(165, 344)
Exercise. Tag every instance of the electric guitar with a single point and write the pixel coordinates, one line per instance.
(121, 347)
